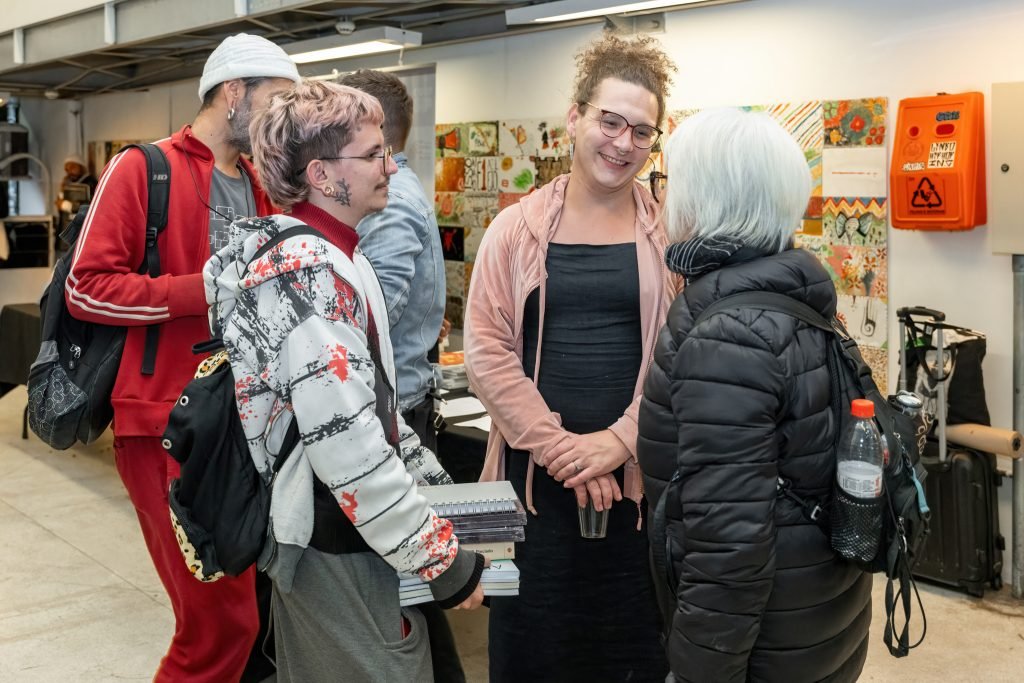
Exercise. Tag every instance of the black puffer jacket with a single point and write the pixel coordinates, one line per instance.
(755, 591)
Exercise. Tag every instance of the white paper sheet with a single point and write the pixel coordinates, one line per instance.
(483, 423)
(467, 405)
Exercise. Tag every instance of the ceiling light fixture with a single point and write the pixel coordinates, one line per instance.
(364, 42)
(569, 10)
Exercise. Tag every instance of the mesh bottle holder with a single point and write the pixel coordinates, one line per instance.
(856, 526)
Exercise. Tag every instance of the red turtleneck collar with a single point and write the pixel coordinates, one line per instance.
(340, 234)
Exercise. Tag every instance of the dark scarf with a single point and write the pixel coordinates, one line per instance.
(700, 255)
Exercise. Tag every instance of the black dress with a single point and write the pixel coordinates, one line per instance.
(586, 609)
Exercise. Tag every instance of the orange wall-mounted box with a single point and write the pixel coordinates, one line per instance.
(937, 178)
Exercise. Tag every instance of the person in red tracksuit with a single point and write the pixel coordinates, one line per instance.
(211, 185)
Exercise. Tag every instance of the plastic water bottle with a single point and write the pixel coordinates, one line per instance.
(861, 453)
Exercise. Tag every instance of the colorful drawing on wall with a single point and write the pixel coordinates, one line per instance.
(450, 174)
(851, 123)
(450, 139)
(533, 137)
(448, 207)
(479, 209)
(482, 139)
(856, 271)
(482, 173)
(452, 243)
(507, 199)
(856, 221)
(517, 174)
(811, 227)
(862, 316)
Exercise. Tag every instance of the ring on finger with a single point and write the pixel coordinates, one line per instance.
(577, 466)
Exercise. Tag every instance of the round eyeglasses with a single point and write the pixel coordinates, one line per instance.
(613, 125)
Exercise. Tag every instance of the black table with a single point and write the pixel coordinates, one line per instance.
(19, 346)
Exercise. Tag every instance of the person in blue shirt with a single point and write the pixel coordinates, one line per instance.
(404, 246)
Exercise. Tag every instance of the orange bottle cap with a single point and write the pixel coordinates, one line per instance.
(862, 407)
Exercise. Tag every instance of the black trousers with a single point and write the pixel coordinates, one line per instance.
(445, 657)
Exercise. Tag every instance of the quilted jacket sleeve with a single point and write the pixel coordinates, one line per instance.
(727, 388)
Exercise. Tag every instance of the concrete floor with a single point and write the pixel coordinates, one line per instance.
(80, 601)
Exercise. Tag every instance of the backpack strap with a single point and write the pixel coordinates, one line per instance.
(787, 305)
(768, 301)
(158, 183)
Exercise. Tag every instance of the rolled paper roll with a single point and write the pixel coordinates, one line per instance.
(983, 438)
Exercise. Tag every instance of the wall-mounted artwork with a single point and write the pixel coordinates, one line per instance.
(846, 222)
(480, 169)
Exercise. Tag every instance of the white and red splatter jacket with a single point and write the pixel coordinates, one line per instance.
(295, 323)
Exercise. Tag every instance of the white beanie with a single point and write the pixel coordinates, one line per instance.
(74, 159)
(246, 56)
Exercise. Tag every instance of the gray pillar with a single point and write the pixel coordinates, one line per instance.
(1018, 424)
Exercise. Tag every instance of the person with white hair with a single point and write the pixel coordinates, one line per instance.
(750, 588)
(211, 184)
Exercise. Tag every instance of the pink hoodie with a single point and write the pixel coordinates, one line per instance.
(509, 265)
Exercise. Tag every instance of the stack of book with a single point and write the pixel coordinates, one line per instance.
(500, 579)
(453, 370)
(488, 518)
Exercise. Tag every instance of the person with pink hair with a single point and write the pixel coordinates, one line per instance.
(305, 325)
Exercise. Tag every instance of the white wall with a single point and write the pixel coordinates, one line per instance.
(748, 53)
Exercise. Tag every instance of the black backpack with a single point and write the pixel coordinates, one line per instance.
(903, 522)
(72, 378)
(220, 505)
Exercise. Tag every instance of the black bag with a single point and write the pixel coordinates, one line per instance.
(72, 378)
(220, 505)
(965, 547)
(903, 522)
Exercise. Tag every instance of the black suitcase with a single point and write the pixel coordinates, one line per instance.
(963, 548)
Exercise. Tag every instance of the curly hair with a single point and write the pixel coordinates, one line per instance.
(316, 119)
(638, 60)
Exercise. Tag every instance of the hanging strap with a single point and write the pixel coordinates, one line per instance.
(899, 567)
(158, 183)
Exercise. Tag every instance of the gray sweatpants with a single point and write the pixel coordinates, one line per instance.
(341, 622)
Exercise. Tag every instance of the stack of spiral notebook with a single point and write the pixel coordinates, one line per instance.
(486, 516)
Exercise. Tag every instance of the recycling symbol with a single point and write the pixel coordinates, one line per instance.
(926, 196)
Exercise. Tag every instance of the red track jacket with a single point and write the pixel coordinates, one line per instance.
(104, 285)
